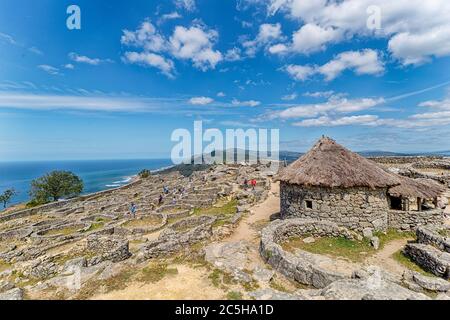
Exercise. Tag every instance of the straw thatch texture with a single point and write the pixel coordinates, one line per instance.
(329, 164)
(417, 188)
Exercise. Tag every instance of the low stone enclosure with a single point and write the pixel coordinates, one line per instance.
(431, 251)
(96, 230)
(301, 267)
(360, 281)
(178, 236)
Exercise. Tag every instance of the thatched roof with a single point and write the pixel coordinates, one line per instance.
(329, 164)
(417, 188)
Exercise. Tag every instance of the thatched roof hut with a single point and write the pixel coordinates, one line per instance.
(417, 188)
(329, 164)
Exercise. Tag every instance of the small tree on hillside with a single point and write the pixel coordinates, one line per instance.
(144, 174)
(6, 197)
(54, 186)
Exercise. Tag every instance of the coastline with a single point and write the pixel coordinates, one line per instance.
(101, 175)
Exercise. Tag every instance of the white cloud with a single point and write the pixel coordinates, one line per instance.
(289, 97)
(166, 66)
(416, 49)
(145, 37)
(188, 5)
(221, 94)
(233, 55)
(196, 44)
(367, 61)
(416, 30)
(76, 102)
(344, 121)
(361, 62)
(49, 69)
(7, 38)
(169, 16)
(201, 101)
(267, 35)
(278, 49)
(249, 103)
(437, 104)
(69, 66)
(299, 73)
(312, 38)
(84, 59)
(35, 51)
(319, 94)
(334, 105)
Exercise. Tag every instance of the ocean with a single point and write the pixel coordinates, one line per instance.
(97, 175)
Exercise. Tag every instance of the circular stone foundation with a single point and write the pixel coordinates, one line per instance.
(302, 267)
(62, 230)
(145, 224)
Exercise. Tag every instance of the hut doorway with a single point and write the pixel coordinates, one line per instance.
(395, 203)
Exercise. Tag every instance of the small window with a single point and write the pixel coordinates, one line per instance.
(309, 204)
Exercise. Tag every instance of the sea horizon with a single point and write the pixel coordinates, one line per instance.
(97, 175)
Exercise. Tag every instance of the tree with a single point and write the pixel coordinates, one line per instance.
(144, 174)
(6, 197)
(54, 186)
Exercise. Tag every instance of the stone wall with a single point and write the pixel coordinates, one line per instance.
(410, 220)
(303, 267)
(354, 208)
(178, 236)
(430, 258)
(428, 235)
(111, 248)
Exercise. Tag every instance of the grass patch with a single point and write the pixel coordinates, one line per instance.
(276, 285)
(223, 210)
(335, 247)
(234, 295)
(155, 272)
(144, 222)
(216, 278)
(118, 282)
(95, 226)
(408, 263)
(353, 250)
(392, 235)
(228, 208)
(63, 232)
(4, 266)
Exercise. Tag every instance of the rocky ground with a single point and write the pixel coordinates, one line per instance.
(202, 242)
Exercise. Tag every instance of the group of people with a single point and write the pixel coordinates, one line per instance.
(251, 183)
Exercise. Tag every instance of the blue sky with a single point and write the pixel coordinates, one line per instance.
(118, 87)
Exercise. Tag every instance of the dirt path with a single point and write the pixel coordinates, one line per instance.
(259, 213)
(250, 226)
(384, 259)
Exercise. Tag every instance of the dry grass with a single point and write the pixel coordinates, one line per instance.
(156, 271)
(144, 222)
(63, 232)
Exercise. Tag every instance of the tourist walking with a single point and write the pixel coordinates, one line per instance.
(160, 200)
(253, 184)
(245, 184)
(133, 209)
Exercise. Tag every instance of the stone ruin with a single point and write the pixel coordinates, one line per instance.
(431, 251)
(93, 232)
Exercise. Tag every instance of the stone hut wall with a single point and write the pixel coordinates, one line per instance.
(410, 220)
(353, 208)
